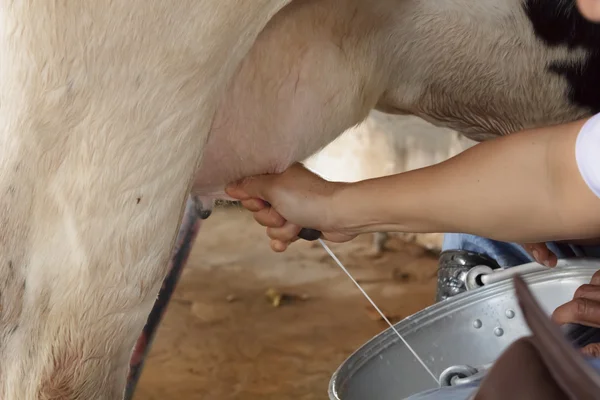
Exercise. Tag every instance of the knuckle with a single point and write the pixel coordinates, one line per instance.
(581, 307)
(290, 228)
(570, 312)
(271, 233)
(592, 350)
(276, 220)
(583, 290)
(260, 221)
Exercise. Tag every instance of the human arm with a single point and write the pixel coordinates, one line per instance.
(525, 187)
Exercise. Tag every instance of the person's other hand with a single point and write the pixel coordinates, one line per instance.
(590, 9)
(287, 202)
(541, 366)
(541, 253)
(584, 309)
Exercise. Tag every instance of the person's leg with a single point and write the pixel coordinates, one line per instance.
(461, 252)
(505, 254)
(511, 254)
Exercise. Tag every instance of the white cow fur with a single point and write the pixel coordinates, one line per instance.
(102, 103)
(106, 107)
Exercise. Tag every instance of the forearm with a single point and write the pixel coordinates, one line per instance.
(525, 187)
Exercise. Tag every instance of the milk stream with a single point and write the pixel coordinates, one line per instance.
(339, 263)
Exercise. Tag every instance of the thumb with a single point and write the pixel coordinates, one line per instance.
(254, 187)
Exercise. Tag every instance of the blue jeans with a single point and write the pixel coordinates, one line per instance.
(512, 254)
(507, 255)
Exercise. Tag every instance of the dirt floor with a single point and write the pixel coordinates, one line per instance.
(223, 339)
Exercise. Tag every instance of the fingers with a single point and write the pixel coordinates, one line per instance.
(281, 235)
(269, 218)
(595, 278)
(541, 254)
(590, 292)
(279, 246)
(552, 260)
(285, 233)
(585, 306)
(592, 350)
(578, 311)
(264, 214)
(532, 249)
(248, 188)
(254, 205)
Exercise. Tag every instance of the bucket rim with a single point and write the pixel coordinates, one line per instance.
(566, 268)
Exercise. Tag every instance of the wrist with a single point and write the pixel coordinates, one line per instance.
(393, 203)
(350, 213)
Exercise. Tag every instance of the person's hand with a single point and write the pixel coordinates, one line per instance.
(290, 201)
(584, 309)
(541, 253)
(541, 366)
(590, 9)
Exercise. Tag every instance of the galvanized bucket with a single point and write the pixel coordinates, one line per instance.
(458, 338)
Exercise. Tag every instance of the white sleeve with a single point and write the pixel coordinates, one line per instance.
(587, 153)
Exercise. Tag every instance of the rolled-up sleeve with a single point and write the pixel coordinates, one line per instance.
(587, 153)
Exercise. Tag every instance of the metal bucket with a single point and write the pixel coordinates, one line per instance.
(458, 337)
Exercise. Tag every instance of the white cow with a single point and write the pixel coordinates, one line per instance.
(106, 108)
